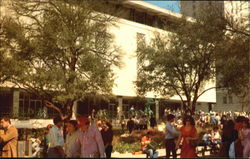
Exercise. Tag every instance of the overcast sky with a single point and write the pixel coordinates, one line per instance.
(170, 5)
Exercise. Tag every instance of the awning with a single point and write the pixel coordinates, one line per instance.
(32, 123)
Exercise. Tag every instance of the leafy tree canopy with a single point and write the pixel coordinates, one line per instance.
(61, 49)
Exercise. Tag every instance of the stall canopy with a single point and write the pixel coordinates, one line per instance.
(32, 123)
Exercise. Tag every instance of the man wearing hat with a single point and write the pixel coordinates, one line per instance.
(89, 140)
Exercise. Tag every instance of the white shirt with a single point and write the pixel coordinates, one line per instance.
(55, 137)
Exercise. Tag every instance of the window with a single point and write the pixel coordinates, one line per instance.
(6, 103)
(224, 100)
(30, 106)
(139, 17)
(194, 10)
(230, 99)
(140, 39)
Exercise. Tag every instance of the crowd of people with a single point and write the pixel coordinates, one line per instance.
(83, 139)
(226, 132)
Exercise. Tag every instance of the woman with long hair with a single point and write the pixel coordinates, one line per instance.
(188, 134)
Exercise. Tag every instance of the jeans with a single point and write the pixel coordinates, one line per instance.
(151, 153)
(108, 151)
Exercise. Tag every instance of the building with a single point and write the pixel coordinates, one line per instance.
(139, 21)
(194, 8)
(240, 12)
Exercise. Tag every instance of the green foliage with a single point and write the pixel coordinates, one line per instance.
(232, 55)
(103, 114)
(62, 50)
(132, 143)
(123, 147)
(178, 63)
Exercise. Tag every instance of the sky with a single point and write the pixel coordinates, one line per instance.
(170, 5)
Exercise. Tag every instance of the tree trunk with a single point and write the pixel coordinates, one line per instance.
(65, 112)
(67, 109)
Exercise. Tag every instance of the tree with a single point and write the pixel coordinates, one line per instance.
(179, 63)
(62, 50)
(5, 64)
(233, 55)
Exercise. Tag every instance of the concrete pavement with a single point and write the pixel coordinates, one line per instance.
(162, 154)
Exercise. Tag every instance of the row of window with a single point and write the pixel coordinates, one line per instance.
(135, 15)
(227, 100)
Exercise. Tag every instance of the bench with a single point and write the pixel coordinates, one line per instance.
(203, 149)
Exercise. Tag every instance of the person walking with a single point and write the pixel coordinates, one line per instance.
(56, 140)
(170, 135)
(130, 125)
(107, 136)
(89, 141)
(152, 122)
(188, 135)
(72, 134)
(8, 138)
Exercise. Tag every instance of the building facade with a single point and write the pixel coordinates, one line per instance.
(240, 12)
(195, 8)
(139, 21)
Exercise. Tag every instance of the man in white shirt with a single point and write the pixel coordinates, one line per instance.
(56, 141)
(170, 134)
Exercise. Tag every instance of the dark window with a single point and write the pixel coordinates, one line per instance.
(139, 17)
(5, 103)
(30, 106)
(224, 100)
(230, 99)
(132, 14)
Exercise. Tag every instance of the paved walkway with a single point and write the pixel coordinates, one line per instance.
(162, 154)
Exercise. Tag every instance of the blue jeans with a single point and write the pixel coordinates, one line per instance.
(151, 153)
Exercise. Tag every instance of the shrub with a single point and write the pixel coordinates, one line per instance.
(123, 147)
(131, 143)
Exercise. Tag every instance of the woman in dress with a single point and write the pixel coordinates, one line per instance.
(188, 133)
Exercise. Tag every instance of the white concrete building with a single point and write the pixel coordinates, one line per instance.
(240, 12)
(139, 20)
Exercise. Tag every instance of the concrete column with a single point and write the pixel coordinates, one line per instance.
(15, 102)
(74, 111)
(119, 111)
(157, 110)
